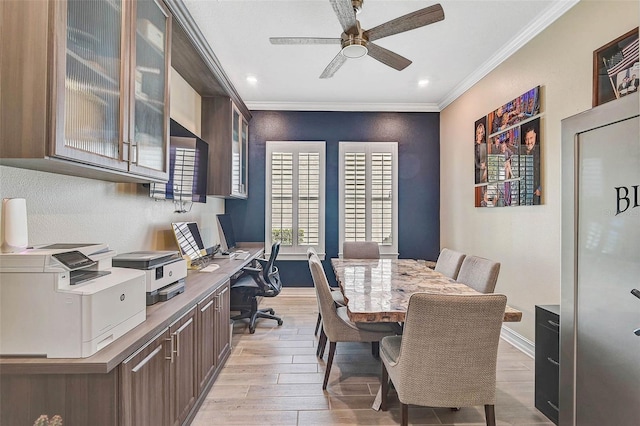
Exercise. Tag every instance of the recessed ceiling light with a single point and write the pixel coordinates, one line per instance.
(251, 79)
(423, 83)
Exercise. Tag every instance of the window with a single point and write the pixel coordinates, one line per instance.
(369, 194)
(294, 199)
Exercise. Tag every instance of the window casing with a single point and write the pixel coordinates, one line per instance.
(295, 198)
(368, 181)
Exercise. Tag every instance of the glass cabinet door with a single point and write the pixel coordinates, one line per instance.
(244, 148)
(90, 128)
(235, 152)
(149, 123)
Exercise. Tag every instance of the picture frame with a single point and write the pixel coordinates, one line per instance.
(614, 67)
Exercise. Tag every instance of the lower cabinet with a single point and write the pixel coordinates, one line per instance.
(184, 389)
(547, 360)
(162, 381)
(146, 384)
(214, 340)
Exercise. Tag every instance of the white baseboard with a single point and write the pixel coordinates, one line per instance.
(518, 341)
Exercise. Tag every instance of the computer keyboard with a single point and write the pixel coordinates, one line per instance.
(241, 255)
(210, 268)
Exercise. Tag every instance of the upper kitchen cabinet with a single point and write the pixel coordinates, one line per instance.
(85, 88)
(226, 130)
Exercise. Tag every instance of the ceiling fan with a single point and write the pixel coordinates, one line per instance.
(356, 42)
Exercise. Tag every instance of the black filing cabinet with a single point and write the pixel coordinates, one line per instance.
(547, 360)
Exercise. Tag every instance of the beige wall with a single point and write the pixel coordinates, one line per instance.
(526, 240)
(70, 209)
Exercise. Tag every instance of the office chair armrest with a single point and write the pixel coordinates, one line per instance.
(250, 270)
(262, 262)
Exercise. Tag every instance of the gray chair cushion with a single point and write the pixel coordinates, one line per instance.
(360, 250)
(449, 262)
(479, 273)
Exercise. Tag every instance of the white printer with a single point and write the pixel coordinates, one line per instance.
(165, 272)
(66, 300)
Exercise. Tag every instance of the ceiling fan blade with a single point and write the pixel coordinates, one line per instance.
(304, 40)
(387, 57)
(410, 21)
(346, 15)
(333, 66)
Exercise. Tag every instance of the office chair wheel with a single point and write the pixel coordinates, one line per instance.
(252, 330)
(272, 312)
(279, 322)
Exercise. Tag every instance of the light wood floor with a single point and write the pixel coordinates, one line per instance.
(274, 378)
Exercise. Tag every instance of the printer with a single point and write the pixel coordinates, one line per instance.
(66, 300)
(165, 271)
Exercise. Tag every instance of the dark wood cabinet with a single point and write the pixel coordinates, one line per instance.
(85, 88)
(226, 130)
(214, 343)
(222, 332)
(184, 387)
(146, 384)
(547, 362)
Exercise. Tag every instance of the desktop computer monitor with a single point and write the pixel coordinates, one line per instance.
(189, 240)
(227, 237)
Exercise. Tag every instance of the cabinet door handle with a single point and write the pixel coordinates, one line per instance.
(553, 361)
(177, 334)
(171, 349)
(553, 323)
(554, 406)
(205, 307)
(636, 293)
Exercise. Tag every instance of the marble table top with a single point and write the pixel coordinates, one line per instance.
(378, 290)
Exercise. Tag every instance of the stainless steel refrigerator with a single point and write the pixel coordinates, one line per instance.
(600, 302)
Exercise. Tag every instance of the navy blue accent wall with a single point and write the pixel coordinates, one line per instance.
(418, 137)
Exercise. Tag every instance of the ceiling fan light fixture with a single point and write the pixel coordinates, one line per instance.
(354, 51)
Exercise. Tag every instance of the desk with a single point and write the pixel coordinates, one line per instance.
(378, 290)
(92, 390)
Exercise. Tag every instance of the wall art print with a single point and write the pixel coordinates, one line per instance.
(507, 154)
(616, 68)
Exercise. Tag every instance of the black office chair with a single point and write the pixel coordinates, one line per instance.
(255, 283)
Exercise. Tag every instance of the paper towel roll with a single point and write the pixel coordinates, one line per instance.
(14, 225)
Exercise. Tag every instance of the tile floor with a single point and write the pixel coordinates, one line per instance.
(274, 378)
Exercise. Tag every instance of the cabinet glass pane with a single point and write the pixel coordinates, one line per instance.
(235, 153)
(93, 83)
(149, 123)
(243, 157)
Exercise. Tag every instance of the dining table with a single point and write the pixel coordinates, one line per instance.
(378, 290)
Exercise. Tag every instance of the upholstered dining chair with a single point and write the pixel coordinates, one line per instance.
(338, 298)
(479, 273)
(449, 263)
(360, 250)
(335, 322)
(447, 354)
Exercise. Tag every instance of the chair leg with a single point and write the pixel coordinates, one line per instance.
(405, 414)
(322, 343)
(490, 413)
(384, 388)
(375, 349)
(315, 333)
(332, 350)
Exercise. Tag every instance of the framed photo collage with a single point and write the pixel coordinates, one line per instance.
(507, 154)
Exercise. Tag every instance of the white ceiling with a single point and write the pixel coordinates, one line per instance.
(452, 55)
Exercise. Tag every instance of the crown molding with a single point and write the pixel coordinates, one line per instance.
(339, 106)
(543, 21)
